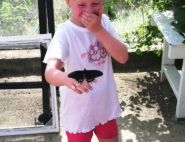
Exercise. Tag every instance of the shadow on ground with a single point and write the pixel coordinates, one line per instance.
(162, 127)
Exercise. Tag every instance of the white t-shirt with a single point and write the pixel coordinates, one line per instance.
(79, 49)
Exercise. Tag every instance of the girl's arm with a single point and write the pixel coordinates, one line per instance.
(53, 73)
(55, 76)
(113, 46)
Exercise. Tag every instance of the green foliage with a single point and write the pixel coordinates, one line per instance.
(145, 37)
(162, 5)
(61, 11)
(136, 3)
(16, 16)
(179, 15)
(110, 8)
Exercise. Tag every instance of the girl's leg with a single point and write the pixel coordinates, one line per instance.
(109, 140)
(107, 132)
(79, 137)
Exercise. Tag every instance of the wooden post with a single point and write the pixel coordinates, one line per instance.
(50, 14)
(42, 16)
(46, 24)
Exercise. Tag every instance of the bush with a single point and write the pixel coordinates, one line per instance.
(179, 15)
(145, 38)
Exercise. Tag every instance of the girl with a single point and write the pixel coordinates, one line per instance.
(86, 41)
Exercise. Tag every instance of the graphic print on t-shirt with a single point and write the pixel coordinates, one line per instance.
(96, 54)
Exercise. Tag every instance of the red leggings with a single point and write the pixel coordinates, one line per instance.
(105, 131)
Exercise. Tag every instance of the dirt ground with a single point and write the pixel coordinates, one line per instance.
(148, 109)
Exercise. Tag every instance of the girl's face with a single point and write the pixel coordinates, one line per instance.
(78, 7)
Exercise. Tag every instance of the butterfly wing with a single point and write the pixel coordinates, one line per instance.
(77, 75)
(90, 75)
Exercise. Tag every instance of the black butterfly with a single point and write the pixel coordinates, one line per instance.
(81, 75)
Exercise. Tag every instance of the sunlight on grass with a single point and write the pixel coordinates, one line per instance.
(128, 21)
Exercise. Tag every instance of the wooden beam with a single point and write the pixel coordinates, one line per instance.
(21, 85)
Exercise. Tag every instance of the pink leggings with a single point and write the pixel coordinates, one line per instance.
(106, 131)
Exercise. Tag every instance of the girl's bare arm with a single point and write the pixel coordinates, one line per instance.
(113, 46)
(55, 76)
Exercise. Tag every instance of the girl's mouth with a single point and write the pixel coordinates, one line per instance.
(95, 12)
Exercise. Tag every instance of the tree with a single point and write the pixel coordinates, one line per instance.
(17, 15)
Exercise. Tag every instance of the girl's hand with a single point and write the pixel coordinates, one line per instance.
(79, 88)
(91, 21)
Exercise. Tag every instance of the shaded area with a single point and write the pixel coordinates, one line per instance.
(148, 61)
(20, 67)
(154, 93)
(150, 131)
(150, 111)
